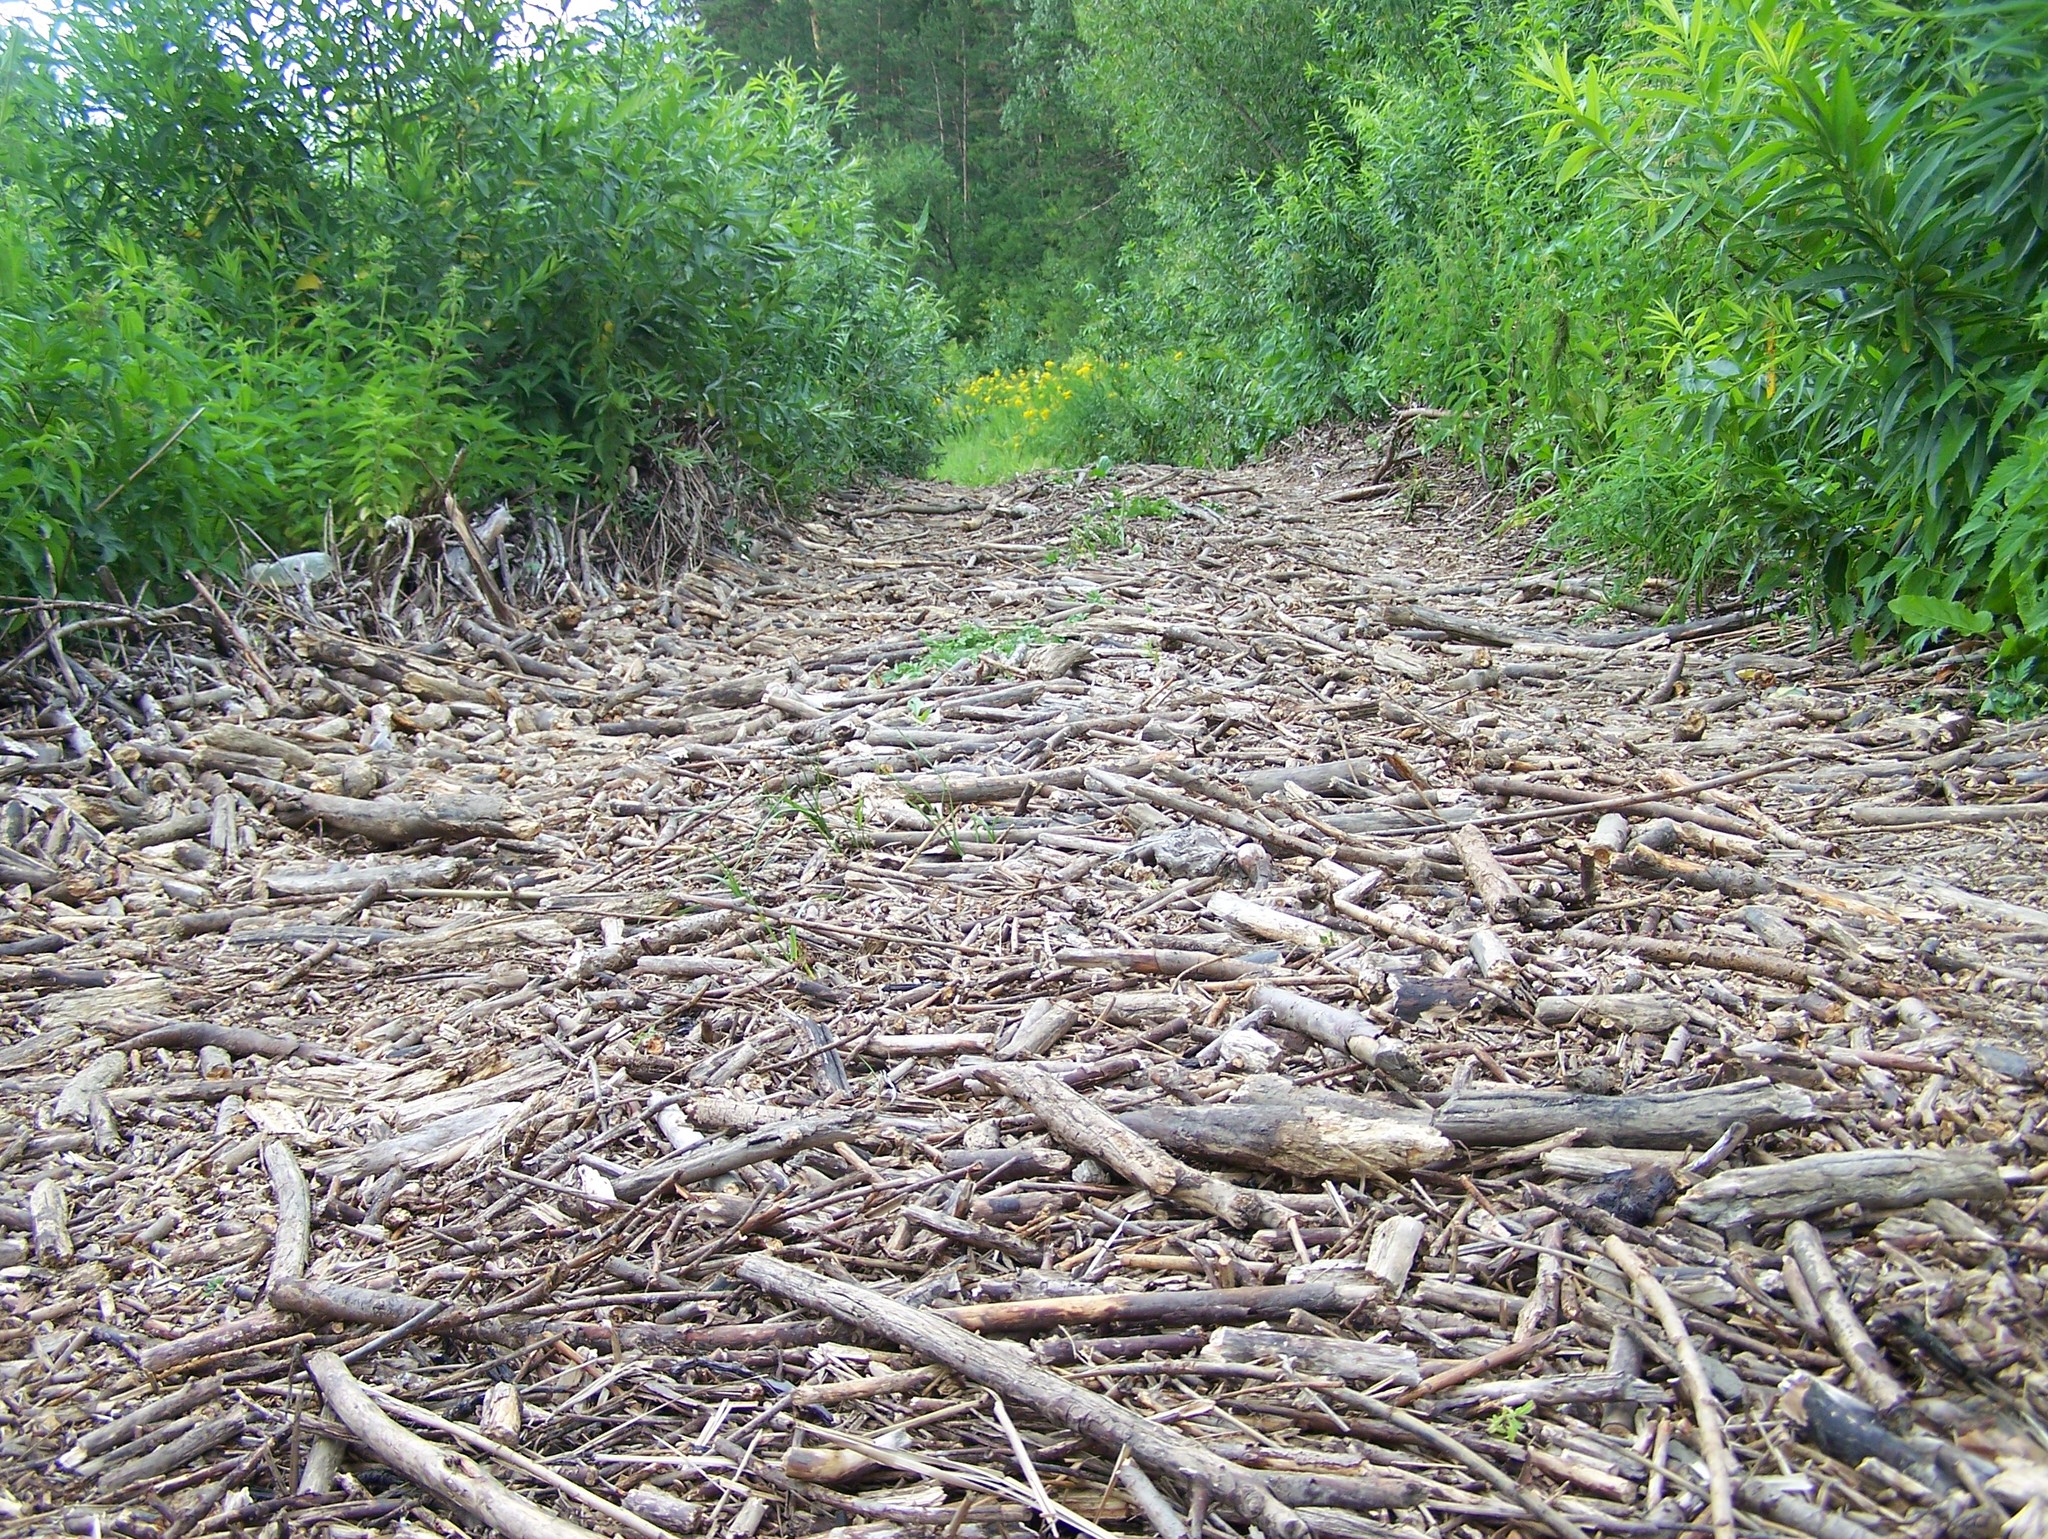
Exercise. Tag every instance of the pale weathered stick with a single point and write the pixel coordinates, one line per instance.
(1345, 1030)
(1489, 878)
(427, 1466)
(1876, 1178)
(497, 1449)
(1006, 1370)
(387, 819)
(294, 1242)
(1299, 1137)
(1087, 1129)
(1706, 1412)
(707, 1160)
(1883, 1391)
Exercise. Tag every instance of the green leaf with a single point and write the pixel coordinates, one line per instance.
(1939, 614)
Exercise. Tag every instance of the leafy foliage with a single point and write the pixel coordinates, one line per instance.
(964, 112)
(1749, 291)
(265, 270)
(969, 643)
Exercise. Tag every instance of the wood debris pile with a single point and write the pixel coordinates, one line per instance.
(1120, 1004)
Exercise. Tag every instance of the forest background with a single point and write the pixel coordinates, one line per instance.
(1746, 292)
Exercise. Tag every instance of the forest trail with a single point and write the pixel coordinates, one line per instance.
(1257, 938)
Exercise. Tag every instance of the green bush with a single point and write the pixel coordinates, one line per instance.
(1867, 359)
(257, 278)
(1750, 292)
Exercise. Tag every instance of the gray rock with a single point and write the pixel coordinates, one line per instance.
(2003, 1060)
(1189, 850)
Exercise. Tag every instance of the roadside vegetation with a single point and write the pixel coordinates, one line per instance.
(1748, 293)
(276, 279)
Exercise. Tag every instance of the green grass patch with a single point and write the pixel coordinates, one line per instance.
(986, 453)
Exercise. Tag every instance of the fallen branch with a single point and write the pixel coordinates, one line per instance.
(387, 820)
(1810, 1255)
(1874, 1178)
(1086, 1129)
(1180, 1307)
(1706, 1412)
(1011, 1374)
(412, 1456)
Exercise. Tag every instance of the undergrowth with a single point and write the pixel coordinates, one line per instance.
(1745, 292)
(970, 642)
(263, 276)
(1106, 526)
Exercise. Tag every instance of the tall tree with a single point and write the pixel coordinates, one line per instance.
(963, 112)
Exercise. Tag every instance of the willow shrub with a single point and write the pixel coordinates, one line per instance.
(1868, 365)
(264, 273)
(1749, 291)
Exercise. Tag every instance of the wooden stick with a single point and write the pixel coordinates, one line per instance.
(1277, 840)
(1345, 1030)
(1705, 1411)
(1733, 959)
(1883, 1391)
(486, 1444)
(1452, 1449)
(294, 1242)
(386, 819)
(1670, 1119)
(768, 1143)
(427, 1466)
(1500, 1357)
(252, 1329)
(1931, 816)
(1085, 1128)
(1489, 878)
(1876, 1178)
(1011, 1374)
(1299, 1137)
(1179, 1307)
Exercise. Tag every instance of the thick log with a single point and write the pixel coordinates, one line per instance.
(1300, 1138)
(235, 1041)
(1013, 1375)
(294, 1242)
(390, 820)
(1874, 1178)
(1659, 1120)
(1489, 878)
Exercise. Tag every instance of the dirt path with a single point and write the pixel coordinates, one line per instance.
(1061, 906)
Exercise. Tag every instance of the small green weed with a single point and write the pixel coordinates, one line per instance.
(802, 806)
(1509, 1423)
(970, 641)
(1106, 526)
